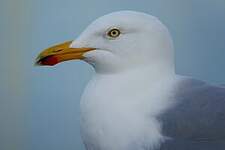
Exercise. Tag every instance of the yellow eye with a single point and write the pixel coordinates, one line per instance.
(113, 33)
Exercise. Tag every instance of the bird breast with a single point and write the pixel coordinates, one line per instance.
(114, 119)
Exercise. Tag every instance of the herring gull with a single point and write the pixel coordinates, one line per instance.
(135, 101)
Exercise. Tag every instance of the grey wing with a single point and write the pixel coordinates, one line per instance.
(197, 120)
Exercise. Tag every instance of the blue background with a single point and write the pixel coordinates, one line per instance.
(39, 107)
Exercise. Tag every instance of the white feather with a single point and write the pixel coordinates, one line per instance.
(132, 85)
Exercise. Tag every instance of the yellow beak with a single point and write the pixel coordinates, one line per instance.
(59, 53)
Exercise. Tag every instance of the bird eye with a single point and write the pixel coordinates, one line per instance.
(113, 33)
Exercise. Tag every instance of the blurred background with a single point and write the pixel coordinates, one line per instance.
(39, 106)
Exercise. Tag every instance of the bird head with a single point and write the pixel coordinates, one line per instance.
(115, 42)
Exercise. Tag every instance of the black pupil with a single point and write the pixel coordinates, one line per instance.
(114, 33)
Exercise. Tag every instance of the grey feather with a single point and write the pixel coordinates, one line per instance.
(197, 120)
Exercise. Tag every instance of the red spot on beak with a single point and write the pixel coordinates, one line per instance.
(49, 61)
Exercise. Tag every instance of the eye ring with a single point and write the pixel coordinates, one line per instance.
(113, 33)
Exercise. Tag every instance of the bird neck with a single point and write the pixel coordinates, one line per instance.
(143, 74)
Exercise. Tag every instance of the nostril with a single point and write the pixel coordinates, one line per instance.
(57, 50)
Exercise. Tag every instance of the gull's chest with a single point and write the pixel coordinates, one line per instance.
(118, 113)
(106, 102)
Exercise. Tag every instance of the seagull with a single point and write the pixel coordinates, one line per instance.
(135, 100)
